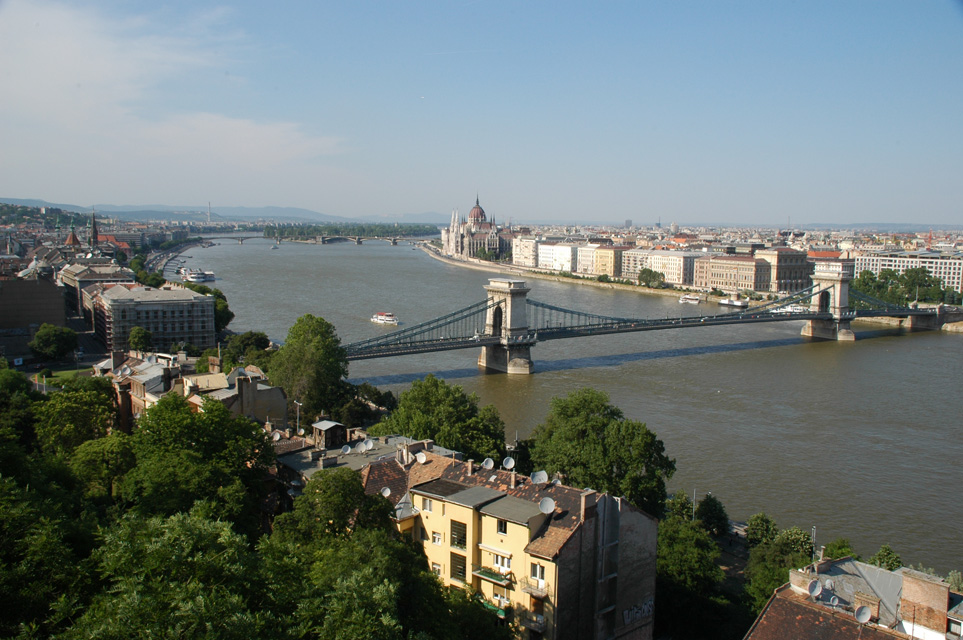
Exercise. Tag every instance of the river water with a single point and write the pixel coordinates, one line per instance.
(860, 440)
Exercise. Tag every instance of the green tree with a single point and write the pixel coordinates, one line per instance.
(52, 342)
(796, 540)
(333, 504)
(886, 558)
(140, 339)
(184, 576)
(840, 548)
(679, 506)
(651, 278)
(69, 418)
(687, 556)
(99, 464)
(768, 568)
(433, 409)
(760, 529)
(592, 444)
(312, 365)
(712, 514)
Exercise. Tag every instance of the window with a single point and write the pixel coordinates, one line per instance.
(459, 535)
(500, 596)
(502, 527)
(435, 537)
(436, 568)
(538, 572)
(426, 504)
(458, 567)
(424, 534)
(502, 563)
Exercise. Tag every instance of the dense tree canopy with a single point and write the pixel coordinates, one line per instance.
(140, 339)
(712, 514)
(69, 418)
(592, 444)
(903, 288)
(53, 342)
(433, 409)
(760, 528)
(311, 366)
(886, 558)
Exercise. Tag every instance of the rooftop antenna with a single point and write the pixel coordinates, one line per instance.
(360, 447)
(276, 436)
(368, 445)
(546, 505)
(345, 450)
(488, 464)
(815, 588)
(421, 457)
(509, 463)
(863, 614)
(539, 477)
(386, 491)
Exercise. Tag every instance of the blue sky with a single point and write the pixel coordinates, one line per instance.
(695, 112)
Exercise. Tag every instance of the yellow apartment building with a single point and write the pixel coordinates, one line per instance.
(560, 562)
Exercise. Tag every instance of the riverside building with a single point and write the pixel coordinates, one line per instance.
(947, 266)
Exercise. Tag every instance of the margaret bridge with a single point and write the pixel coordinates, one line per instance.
(507, 324)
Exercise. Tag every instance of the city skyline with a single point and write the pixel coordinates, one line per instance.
(724, 113)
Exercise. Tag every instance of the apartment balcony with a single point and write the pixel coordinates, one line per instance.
(492, 575)
(532, 621)
(535, 588)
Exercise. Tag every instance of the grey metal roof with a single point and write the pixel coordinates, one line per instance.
(439, 488)
(324, 425)
(512, 509)
(851, 576)
(475, 496)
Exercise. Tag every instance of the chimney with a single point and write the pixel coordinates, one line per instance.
(117, 358)
(512, 482)
(587, 508)
(471, 467)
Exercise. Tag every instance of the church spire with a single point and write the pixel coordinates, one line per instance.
(93, 228)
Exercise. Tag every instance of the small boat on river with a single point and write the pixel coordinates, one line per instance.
(383, 317)
(690, 298)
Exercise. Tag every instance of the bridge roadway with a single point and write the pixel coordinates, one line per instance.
(534, 336)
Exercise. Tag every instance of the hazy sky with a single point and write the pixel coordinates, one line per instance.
(593, 111)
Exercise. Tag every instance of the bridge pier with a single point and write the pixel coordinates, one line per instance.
(507, 319)
(357, 240)
(836, 276)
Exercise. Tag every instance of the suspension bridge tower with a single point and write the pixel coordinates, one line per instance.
(507, 318)
(834, 278)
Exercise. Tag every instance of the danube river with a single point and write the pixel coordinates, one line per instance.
(861, 440)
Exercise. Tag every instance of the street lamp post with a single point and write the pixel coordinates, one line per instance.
(298, 409)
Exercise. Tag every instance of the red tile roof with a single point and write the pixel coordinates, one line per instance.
(789, 615)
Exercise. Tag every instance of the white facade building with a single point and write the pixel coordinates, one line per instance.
(558, 257)
(586, 259)
(525, 251)
(678, 267)
(948, 267)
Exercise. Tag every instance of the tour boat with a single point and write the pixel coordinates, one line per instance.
(383, 317)
(194, 275)
(732, 302)
(793, 308)
(690, 298)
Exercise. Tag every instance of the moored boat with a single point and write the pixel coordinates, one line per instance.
(690, 298)
(733, 302)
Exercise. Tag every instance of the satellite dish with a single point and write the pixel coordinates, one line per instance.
(360, 447)
(556, 482)
(863, 614)
(421, 457)
(276, 436)
(508, 463)
(540, 477)
(300, 432)
(546, 505)
(386, 491)
(815, 588)
(829, 584)
(368, 445)
(834, 600)
(488, 464)
(345, 450)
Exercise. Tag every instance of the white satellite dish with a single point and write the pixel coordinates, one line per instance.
(863, 614)
(546, 505)
(360, 448)
(345, 450)
(488, 464)
(829, 584)
(834, 601)
(368, 445)
(421, 457)
(301, 432)
(556, 482)
(276, 436)
(386, 491)
(508, 463)
(815, 588)
(539, 477)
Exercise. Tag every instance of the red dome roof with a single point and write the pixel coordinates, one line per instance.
(477, 214)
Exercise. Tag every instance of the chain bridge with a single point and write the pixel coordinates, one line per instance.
(507, 324)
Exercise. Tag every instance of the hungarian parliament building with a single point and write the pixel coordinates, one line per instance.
(475, 237)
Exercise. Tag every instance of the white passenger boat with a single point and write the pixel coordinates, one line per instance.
(690, 298)
(732, 302)
(383, 317)
(195, 275)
